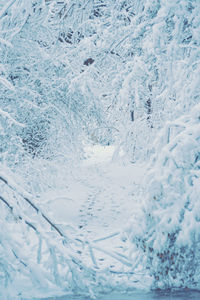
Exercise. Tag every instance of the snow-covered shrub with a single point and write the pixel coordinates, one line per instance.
(167, 229)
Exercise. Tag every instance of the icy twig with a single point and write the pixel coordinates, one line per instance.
(8, 116)
(113, 255)
(92, 256)
(6, 7)
(106, 237)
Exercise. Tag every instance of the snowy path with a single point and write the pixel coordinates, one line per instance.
(89, 205)
(99, 199)
(110, 199)
(100, 194)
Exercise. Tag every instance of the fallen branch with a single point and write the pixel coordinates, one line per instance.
(113, 255)
(19, 191)
(19, 217)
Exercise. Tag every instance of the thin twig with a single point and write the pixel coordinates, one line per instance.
(113, 255)
(107, 237)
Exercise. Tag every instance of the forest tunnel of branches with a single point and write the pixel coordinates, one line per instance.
(121, 75)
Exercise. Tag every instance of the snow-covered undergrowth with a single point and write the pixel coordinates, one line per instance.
(166, 231)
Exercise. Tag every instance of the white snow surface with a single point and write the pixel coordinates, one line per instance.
(100, 195)
(99, 199)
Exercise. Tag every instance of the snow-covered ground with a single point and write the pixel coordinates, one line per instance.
(100, 194)
(99, 199)
(131, 295)
(90, 202)
(185, 295)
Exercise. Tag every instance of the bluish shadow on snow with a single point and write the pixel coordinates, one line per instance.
(160, 295)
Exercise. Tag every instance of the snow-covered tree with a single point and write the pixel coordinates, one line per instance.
(169, 238)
